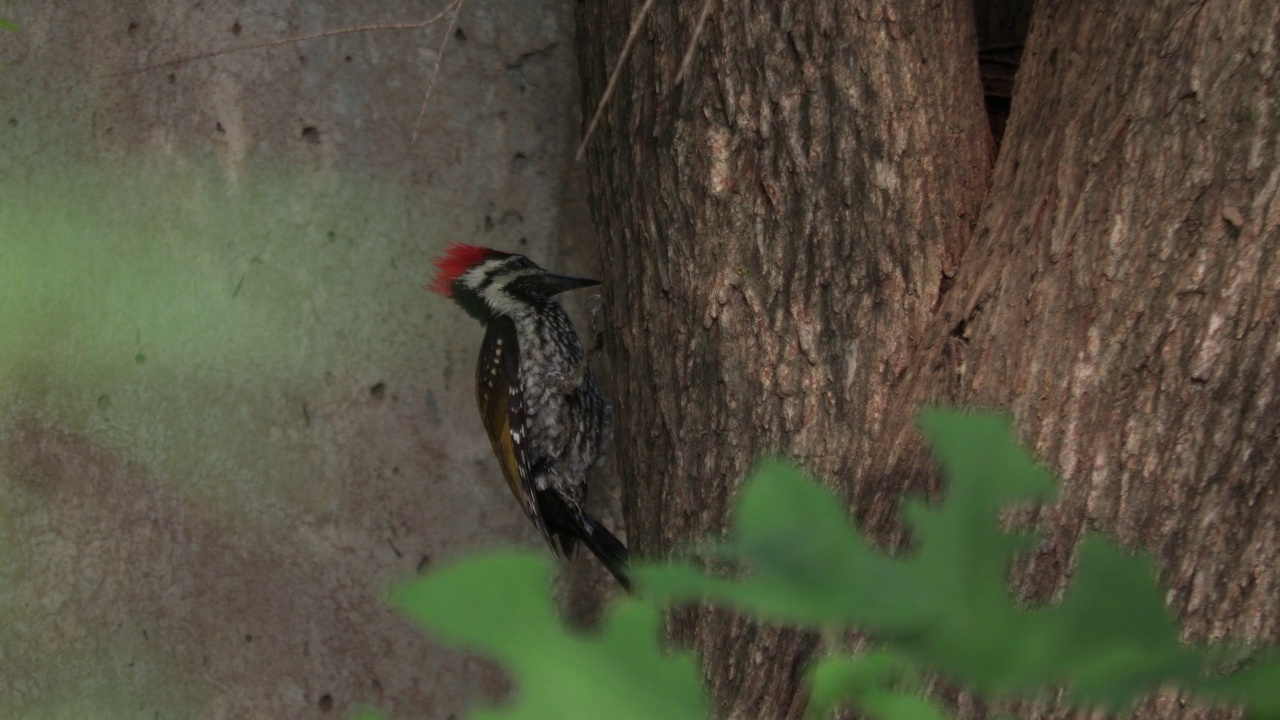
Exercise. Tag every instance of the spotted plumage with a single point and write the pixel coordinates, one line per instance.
(540, 403)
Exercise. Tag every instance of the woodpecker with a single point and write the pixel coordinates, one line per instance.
(539, 401)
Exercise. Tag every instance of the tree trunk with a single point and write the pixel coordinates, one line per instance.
(1122, 297)
(785, 239)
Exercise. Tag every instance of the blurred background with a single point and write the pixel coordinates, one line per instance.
(230, 415)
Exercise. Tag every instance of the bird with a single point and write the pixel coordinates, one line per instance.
(539, 401)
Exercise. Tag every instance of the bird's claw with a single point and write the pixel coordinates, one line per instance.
(569, 383)
(595, 305)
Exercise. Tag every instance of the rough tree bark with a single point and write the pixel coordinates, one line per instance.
(787, 250)
(777, 231)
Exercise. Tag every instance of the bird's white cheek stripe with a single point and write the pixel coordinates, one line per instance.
(496, 295)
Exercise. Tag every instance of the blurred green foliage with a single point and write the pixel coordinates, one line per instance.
(149, 305)
(943, 608)
(501, 605)
(200, 325)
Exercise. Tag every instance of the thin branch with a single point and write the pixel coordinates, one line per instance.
(693, 42)
(290, 40)
(435, 71)
(613, 77)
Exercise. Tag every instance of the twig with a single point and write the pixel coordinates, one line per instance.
(613, 77)
(290, 40)
(435, 71)
(693, 42)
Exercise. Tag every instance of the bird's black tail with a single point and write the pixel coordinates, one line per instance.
(609, 549)
(570, 524)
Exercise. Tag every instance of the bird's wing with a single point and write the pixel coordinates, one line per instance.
(502, 410)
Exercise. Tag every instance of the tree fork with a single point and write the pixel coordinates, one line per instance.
(787, 243)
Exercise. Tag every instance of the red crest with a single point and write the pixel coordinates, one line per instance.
(457, 259)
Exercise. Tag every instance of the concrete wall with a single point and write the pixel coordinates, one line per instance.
(230, 416)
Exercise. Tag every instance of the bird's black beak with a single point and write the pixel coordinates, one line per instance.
(556, 284)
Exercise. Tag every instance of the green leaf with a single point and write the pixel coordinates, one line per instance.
(982, 462)
(7, 25)
(794, 557)
(1256, 686)
(1109, 641)
(805, 563)
(862, 682)
(900, 706)
(501, 605)
(963, 555)
(1111, 634)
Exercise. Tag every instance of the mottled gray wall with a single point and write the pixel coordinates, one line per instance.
(229, 414)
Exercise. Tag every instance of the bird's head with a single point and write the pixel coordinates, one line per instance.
(488, 283)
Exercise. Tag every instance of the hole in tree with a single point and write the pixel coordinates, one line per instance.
(1002, 29)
